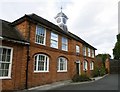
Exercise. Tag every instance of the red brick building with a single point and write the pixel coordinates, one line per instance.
(35, 52)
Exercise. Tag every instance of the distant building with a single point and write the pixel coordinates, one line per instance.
(35, 52)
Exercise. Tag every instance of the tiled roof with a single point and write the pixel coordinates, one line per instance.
(9, 32)
(37, 19)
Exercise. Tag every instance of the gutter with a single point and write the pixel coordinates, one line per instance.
(16, 41)
(28, 58)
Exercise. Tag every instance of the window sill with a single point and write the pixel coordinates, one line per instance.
(62, 71)
(41, 71)
(5, 78)
(39, 44)
(85, 70)
(91, 69)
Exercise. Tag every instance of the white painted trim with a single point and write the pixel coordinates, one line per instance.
(79, 66)
(62, 71)
(1, 37)
(38, 71)
(10, 66)
(54, 40)
(92, 68)
(58, 62)
(65, 44)
(86, 65)
(44, 36)
(77, 46)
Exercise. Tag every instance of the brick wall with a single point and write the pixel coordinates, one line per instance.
(17, 80)
(107, 65)
(35, 79)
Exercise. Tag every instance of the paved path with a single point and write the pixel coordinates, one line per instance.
(109, 82)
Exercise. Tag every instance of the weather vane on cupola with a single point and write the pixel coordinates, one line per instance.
(61, 19)
(61, 8)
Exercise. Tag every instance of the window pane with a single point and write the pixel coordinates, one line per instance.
(6, 66)
(46, 64)
(5, 56)
(54, 40)
(62, 64)
(0, 57)
(0, 66)
(4, 51)
(40, 35)
(35, 66)
(9, 52)
(54, 44)
(41, 63)
(0, 72)
(0, 50)
(64, 43)
(64, 40)
(54, 36)
(77, 49)
(8, 59)
(5, 72)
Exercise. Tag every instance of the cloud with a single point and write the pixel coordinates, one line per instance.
(95, 21)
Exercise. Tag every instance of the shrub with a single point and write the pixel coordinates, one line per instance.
(99, 72)
(96, 72)
(102, 71)
(80, 78)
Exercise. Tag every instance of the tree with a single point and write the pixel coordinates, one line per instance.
(116, 50)
(103, 57)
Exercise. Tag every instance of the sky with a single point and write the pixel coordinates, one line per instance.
(95, 21)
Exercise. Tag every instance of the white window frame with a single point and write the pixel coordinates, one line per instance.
(85, 65)
(58, 64)
(93, 55)
(89, 52)
(91, 65)
(65, 44)
(54, 40)
(10, 65)
(77, 49)
(44, 63)
(44, 43)
(84, 51)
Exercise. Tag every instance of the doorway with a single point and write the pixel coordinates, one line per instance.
(78, 67)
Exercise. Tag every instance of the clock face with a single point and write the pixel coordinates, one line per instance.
(58, 20)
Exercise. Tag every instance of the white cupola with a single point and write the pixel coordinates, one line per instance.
(61, 20)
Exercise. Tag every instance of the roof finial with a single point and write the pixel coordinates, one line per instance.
(61, 8)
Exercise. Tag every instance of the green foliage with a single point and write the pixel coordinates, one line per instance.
(102, 71)
(103, 57)
(99, 71)
(80, 78)
(116, 51)
(118, 37)
(96, 72)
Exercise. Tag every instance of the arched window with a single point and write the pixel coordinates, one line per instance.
(62, 64)
(85, 66)
(91, 65)
(41, 63)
